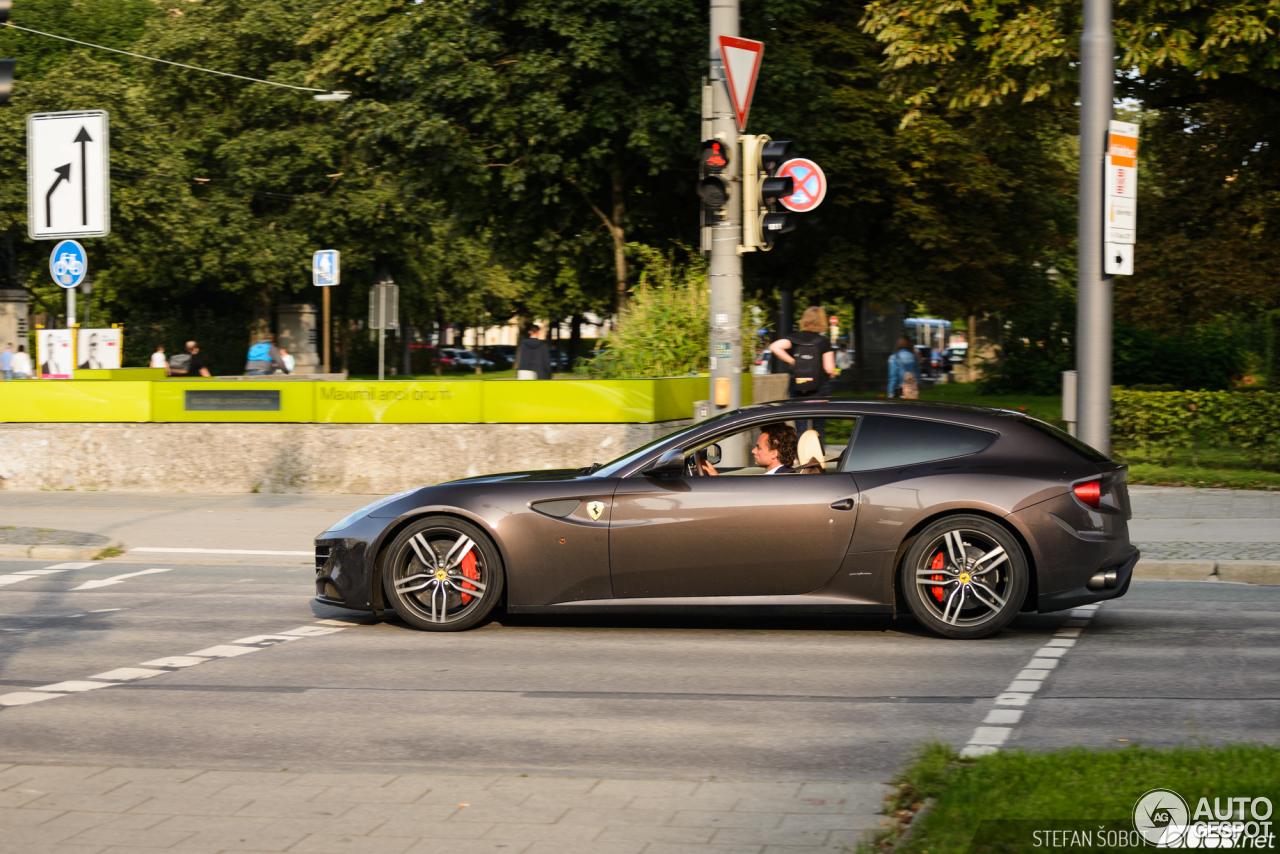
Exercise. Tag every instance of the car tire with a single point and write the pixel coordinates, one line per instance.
(442, 574)
(964, 577)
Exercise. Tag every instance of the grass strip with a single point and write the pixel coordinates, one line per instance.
(995, 803)
(1203, 477)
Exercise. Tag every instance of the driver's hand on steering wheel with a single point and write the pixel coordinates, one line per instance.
(706, 467)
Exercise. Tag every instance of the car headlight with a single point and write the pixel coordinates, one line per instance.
(347, 521)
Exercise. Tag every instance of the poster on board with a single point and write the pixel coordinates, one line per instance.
(54, 355)
(98, 349)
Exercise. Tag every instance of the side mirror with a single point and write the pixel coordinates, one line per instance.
(671, 462)
(714, 454)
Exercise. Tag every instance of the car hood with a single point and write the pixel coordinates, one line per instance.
(540, 476)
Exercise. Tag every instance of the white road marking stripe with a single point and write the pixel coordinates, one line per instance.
(1037, 675)
(1028, 686)
(126, 674)
(23, 698)
(105, 610)
(1003, 716)
(75, 687)
(114, 678)
(266, 638)
(974, 750)
(221, 552)
(39, 571)
(117, 579)
(1043, 663)
(225, 651)
(310, 631)
(1051, 652)
(1008, 699)
(175, 661)
(1065, 643)
(1068, 633)
(994, 735)
(13, 579)
(78, 564)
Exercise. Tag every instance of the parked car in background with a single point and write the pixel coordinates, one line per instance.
(465, 359)
(503, 356)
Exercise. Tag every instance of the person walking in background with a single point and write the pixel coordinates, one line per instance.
(192, 364)
(904, 369)
(6, 362)
(159, 360)
(264, 358)
(533, 356)
(844, 359)
(812, 362)
(288, 360)
(21, 365)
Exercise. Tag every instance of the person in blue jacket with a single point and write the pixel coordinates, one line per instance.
(264, 358)
(902, 362)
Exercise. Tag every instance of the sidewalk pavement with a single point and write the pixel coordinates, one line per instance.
(63, 809)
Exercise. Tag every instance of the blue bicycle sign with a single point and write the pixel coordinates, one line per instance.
(68, 264)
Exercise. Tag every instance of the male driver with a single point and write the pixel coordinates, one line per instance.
(774, 451)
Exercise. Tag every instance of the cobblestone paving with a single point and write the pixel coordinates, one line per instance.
(119, 810)
(17, 536)
(1210, 551)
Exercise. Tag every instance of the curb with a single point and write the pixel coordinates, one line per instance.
(1239, 571)
(9, 550)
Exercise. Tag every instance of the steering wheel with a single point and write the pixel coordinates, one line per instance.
(693, 464)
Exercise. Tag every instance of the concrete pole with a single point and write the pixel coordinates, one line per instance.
(726, 262)
(1093, 323)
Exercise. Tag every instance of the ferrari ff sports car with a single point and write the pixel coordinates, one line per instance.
(961, 515)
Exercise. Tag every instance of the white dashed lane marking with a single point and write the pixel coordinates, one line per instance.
(988, 739)
(171, 664)
(117, 579)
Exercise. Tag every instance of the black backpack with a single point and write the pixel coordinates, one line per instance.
(807, 375)
(180, 363)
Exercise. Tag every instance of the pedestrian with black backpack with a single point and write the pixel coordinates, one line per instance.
(813, 364)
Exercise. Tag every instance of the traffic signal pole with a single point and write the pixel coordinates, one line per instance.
(1093, 316)
(726, 235)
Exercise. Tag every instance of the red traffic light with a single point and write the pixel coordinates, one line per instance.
(714, 156)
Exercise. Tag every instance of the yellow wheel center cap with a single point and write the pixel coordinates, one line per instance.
(440, 574)
(964, 578)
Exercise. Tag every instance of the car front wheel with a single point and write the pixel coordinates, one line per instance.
(442, 575)
(964, 577)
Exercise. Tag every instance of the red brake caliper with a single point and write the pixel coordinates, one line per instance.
(470, 571)
(938, 563)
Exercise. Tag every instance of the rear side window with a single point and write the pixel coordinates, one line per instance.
(884, 442)
(1086, 451)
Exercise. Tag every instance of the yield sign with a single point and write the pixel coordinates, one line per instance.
(741, 65)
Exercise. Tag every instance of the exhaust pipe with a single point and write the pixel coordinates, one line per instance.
(1103, 581)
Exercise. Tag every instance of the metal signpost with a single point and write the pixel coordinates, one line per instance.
(1093, 323)
(326, 271)
(384, 314)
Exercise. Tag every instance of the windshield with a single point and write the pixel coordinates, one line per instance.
(615, 466)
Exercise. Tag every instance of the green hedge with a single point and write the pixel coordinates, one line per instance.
(1154, 424)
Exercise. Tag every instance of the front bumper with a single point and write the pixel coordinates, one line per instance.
(342, 573)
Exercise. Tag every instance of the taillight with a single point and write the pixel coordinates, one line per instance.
(1090, 493)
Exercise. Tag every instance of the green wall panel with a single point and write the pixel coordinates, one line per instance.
(428, 402)
(74, 400)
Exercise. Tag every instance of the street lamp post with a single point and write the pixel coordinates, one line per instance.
(1093, 317)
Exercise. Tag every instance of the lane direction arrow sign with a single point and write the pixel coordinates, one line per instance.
(741, 59)
(70, 148)
(116, 579)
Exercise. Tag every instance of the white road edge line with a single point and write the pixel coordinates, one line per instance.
(987, 740)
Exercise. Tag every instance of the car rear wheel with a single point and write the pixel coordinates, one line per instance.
(442, 575)
(964, 577)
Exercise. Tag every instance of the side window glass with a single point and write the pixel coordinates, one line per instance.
(884, 442)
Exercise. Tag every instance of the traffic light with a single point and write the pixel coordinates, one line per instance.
(713, 189)
(761, 220)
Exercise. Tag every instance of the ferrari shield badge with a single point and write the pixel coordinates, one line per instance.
(594, 509)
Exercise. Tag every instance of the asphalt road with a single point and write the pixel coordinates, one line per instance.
(837, 699)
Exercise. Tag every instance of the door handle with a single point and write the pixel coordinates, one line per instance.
(847, 504)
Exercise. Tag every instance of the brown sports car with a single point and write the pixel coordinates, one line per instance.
(960, 515)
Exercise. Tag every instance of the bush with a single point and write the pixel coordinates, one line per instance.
(665, 329)
(1153, 424)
